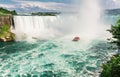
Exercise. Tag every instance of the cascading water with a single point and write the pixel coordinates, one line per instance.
(34, 27)
(57, 57)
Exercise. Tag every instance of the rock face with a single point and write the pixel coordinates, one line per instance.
(5, 33)
(5, 20)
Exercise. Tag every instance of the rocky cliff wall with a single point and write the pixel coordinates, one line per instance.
(5, 20)
(5, 31)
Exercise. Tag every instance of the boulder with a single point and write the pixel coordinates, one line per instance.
(7, 36)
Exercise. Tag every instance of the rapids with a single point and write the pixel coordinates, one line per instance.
(53, 58)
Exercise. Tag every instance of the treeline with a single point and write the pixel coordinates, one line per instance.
(46, 13)
(113, 11)
(4, 11)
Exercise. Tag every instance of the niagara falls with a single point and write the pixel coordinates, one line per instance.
(59, 38)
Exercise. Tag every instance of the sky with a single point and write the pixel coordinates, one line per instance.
(50, 5)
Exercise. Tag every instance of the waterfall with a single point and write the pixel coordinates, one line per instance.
(86, 23)
(29, 27)
(44, 27)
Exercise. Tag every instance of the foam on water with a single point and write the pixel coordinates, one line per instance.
(54, 58)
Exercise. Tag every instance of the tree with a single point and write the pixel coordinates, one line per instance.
(112, 67)
(115, 31)
(4, 11)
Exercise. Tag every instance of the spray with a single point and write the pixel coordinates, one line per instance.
(86, 23)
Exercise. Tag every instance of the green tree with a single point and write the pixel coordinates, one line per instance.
(115, 31)
(112, 67)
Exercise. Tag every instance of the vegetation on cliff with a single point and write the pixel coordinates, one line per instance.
(6, 34)
(112, 67)
(6, 12)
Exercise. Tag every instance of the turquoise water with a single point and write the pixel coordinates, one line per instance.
(56, 57)
(53, 58)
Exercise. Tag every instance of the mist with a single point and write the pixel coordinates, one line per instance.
(83, 20)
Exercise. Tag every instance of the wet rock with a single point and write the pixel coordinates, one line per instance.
(7, 36)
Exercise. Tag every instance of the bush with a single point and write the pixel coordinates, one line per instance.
(5, 28)
(6, 34)
(112, 67)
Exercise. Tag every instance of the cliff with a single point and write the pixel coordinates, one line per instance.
(5, 20)
(5, 32)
